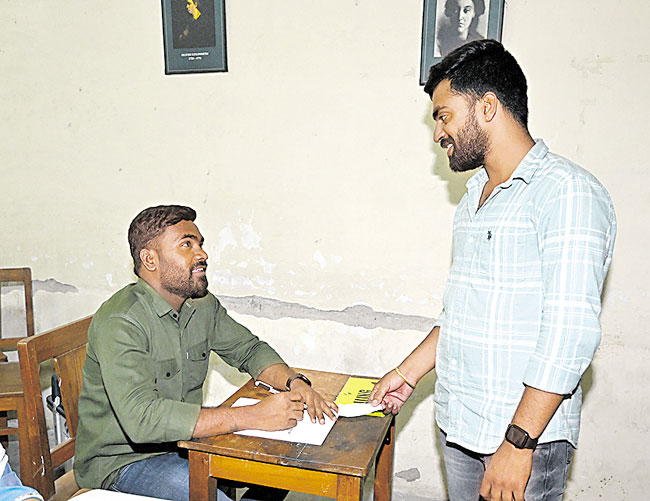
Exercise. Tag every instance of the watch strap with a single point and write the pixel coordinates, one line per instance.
(297, 376)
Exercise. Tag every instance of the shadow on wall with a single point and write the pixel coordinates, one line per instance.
(423, 390)
(455, 180)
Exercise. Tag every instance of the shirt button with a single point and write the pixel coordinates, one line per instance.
(453, 362)
(470, 240)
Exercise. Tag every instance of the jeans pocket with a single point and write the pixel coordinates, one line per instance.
(120, 474)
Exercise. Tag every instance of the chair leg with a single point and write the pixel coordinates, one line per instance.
(23, 442)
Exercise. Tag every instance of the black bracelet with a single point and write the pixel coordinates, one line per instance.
(297, 376)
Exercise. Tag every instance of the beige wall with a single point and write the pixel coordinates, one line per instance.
(318, 186)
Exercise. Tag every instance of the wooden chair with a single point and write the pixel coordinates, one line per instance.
(24, 276)
(11, 388)
(66, 346)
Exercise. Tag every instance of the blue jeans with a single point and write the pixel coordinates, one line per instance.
(465, 470)
(8, 478)
(12, 488)
(168, 477)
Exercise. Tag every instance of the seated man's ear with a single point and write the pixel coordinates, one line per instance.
(149, 258)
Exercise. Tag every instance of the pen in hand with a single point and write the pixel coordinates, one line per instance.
(266, 386)
(270, 389)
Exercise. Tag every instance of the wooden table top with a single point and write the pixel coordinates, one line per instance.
(349, 449)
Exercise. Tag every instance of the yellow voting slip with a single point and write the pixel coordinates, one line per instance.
(357, 391)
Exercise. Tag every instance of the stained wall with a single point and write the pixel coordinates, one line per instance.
(325, 205)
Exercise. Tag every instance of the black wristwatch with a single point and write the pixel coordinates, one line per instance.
(297, 376)
(520, 438)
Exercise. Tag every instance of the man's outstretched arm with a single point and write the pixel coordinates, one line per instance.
(396, 386)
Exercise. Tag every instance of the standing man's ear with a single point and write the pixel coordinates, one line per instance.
(488, 106)
(149, 258)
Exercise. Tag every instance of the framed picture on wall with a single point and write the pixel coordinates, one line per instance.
(448, 24)
(194, 35)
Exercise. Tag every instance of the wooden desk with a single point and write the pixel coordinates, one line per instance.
(336, 469)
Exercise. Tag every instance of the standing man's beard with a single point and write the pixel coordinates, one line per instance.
(175, 281)
(471, 147)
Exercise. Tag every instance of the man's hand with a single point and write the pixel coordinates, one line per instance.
(317, 406)
(392, 392)
(277, 412)
(507, 474)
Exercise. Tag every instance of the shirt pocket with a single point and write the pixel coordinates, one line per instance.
(167, 378)
(198, 358)
(508, 254)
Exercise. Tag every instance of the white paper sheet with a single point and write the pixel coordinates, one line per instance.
(304, 432)
(356, 409)
(102, 495)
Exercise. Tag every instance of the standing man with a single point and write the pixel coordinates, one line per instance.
(532, 243)
(147, 358)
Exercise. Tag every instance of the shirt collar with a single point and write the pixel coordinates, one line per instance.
(530, 163)
(160, 306)
(524, 171)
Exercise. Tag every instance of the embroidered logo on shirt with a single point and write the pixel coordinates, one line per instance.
(489, 236)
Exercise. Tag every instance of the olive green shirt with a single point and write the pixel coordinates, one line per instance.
(143, 376)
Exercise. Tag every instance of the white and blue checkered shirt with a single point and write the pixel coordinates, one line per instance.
(522, 301)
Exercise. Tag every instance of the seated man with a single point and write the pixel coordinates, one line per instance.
(146, 361)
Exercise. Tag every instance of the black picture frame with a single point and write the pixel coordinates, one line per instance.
(440, 31)
(194, 43)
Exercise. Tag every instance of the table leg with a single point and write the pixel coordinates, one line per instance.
(349, 488)
(384, 467)
(203, 487)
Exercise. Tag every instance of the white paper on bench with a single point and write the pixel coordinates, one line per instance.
(305, 432)
(356, 409)
(102, 495)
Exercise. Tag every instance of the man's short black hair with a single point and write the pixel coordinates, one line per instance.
(482, 66)
(151, 223)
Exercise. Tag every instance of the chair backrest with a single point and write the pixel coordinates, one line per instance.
(24, 276)
(66, 346)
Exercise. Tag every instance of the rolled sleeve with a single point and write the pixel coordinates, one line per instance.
(129, 375)
(576, 233)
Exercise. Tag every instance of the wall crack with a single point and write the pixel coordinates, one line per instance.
(49, 285)
(355, 316)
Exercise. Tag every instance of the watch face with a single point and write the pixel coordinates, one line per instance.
(516, 437)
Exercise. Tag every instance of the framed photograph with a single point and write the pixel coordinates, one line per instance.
(448, 24)
(194, 35)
